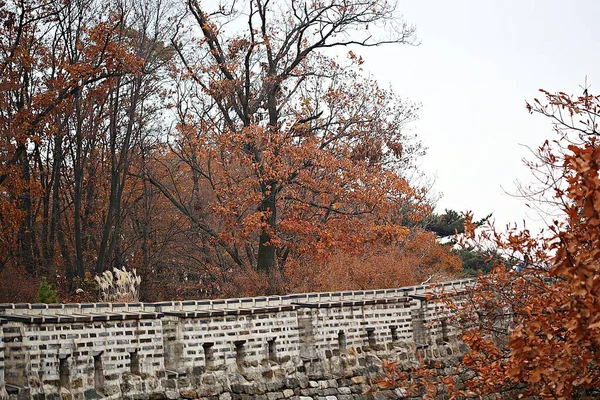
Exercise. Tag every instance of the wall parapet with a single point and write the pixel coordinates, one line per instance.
(225, 347)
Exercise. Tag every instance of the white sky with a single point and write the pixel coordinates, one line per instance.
(478, 62)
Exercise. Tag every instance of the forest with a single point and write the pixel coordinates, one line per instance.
(221, 149)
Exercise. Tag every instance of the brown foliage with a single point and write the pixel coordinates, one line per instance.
(535, 330)
(17, 286)
(215, 162)
(411, 260)
(283, 155)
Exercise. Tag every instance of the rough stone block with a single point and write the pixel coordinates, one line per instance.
(183, 382)
(309, 392)
(90, 394)
(188, 394)
(274, 395)
(225, 396)
(303, 381)
(208, 380)
(237, 388)
(356, 380)
(292, 383)
(140, 396)
(356, 389)
(169, 383)
(171, 395)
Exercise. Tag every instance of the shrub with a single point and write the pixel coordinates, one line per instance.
(47, 293)
(120, 286)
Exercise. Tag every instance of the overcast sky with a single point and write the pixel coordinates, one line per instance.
(478, 62)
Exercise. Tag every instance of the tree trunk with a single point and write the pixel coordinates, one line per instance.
(120, 167)
(55, 206)
(78, 195)
(266, 250)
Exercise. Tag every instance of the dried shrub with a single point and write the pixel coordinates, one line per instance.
(119, 286)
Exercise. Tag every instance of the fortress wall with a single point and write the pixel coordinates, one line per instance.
(255, 347)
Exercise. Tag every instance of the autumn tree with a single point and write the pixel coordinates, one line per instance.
(80, 84)
(40, 78)
(533, 331)
(560, 343)
(287, 150)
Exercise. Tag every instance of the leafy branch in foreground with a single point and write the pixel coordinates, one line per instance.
(536, 330)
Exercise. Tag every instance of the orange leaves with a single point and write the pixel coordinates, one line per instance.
(368, 264)
(320, 200)
(389, 234)
(266, 144)
(307, 142)
(539, 327)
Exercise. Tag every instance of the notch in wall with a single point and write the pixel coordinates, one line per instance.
(342, 342)
(272, 349)
(371, 337)
(134, 362)
(394, 332)
(444, 327)
(63, 371)
(98, 372)
(209, 358)
(240, 352)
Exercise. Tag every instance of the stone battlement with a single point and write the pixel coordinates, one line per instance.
(275, 346)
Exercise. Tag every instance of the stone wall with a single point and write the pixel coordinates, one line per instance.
(303, 345)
